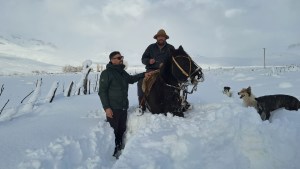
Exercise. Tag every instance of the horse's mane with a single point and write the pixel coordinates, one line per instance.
(165, 68)
(165, 72)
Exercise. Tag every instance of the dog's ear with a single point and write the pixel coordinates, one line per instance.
(249, 90)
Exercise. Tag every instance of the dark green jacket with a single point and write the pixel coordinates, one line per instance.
(113, 86)
(154, 52)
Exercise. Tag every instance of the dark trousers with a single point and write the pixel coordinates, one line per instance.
(118, 123)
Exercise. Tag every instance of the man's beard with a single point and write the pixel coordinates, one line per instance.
(161, 42)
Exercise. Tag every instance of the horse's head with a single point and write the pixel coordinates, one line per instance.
(184, 68)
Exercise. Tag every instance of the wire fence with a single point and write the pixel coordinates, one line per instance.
(45, 99)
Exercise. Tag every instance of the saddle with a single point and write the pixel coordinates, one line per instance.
(148, 82)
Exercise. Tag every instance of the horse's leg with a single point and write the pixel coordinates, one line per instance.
(179, 108)
(186, 105)
(155, 99)
(180, 114)
(173, 102)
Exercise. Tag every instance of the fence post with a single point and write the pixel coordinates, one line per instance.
(85, 81)
(2, 88)
(4, 106)
(70, 89)
(27, 96)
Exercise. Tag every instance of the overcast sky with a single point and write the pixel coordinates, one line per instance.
(212, 30)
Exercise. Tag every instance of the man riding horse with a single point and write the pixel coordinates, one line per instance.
(155, 54)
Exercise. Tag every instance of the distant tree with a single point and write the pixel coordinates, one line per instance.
(69, 68)
(39, 72)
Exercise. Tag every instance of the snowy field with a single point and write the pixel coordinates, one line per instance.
(218, 133)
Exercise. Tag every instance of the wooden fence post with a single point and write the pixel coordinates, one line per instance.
(85, 82)
(2, 88)
(70, 89)
(4, 106)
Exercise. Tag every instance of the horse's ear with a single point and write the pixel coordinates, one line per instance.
(180, 48)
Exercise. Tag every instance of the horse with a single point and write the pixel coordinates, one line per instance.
(168, 92)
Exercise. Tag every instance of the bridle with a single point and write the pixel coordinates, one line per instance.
(180, 68)
(183, 87)
(188, 74)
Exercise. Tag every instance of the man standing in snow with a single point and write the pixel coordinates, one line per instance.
(113, 92)
(154, 55)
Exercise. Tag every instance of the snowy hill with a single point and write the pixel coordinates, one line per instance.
(25, 42)
(10, 65)
(218, 133)
(295, 46)
(21, 55)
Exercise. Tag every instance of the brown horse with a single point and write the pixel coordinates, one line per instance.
(169, 91)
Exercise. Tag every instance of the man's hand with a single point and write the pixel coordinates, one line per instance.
(151, 61)
(148, 74)
(109, 113)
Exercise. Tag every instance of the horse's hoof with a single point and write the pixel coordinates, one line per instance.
(179, 114)
(187, 107)
(190, 107)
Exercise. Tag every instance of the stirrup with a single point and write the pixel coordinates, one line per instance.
(141, 111)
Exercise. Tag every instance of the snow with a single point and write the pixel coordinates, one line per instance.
(36, 93)
(52, 91)
(85, 71)
(218, 133)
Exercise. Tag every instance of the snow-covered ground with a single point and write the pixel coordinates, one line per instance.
(218, 133)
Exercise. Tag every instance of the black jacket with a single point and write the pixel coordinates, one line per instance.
(154, 52)
(113, 86)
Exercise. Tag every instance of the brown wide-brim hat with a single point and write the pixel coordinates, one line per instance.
(161, 32)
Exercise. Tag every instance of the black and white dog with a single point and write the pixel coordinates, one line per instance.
(227, 91)
(266, 104)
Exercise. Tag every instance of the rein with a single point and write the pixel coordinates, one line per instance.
(189, 74)
(181, 69)
(183, 87)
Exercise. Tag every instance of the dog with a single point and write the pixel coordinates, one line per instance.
(268, 103)
(248, 97)
(227, 91)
